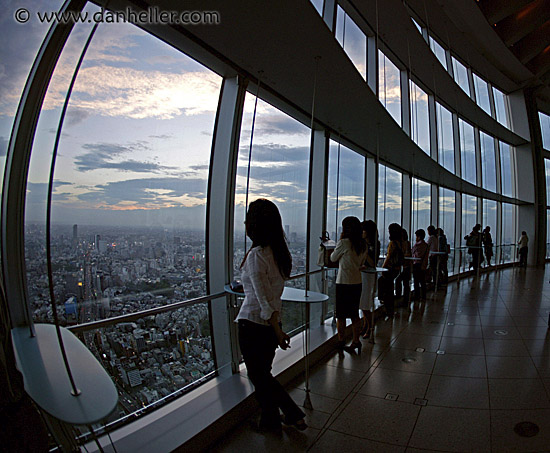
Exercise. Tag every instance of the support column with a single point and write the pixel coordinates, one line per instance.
(219, 221)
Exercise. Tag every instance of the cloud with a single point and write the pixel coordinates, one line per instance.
(279, 125)
(75, 116)
(3, 146)
(147, 193)
(162, 136)
(103, 155)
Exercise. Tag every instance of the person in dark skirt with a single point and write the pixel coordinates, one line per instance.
(264, 269)
(350, 253)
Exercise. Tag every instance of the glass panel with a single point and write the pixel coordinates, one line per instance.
(417, 25)
(318, 6)
(21, 44)
(389, 202)
(279, 171)
(461, 75)
(439, 52)
(447, 220)
(548, 233)
(506, 168)
(132, 177)
(420, 120)
(353, 40)
(469, 214)
(547, 173)
(482, 94)
(490, 220)
(389, 89)
(155, 359)
(509, 236)
(545, 130)
(445, 141)
(346, 185)
(500, 106)
(488, 162)
(421, 204)
(467, 151)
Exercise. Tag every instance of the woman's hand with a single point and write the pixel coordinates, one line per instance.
(283, 339)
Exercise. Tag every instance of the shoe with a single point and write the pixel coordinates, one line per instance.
(368, 333)
(352, 347)
(300, 425)
(340, 344)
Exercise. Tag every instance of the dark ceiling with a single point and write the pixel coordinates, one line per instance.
(524, 27)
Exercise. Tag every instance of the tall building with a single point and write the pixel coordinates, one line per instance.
(411, 112)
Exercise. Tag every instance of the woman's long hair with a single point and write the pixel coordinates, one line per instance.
(351, 229)
(265, 228)
(396, 232)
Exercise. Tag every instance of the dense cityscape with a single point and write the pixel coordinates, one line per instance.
(103, 272)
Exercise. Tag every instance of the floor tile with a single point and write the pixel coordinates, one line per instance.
(320, 402)
(412, 341)
(489, 320)
(459, 331)
(456, 345)
(537, 347)
(332, 441)
(470, 429)
(518, 394)
(534, 333)
(542, 363)
(406, 360)
(460, 366)
(458, 392)
(334, 382)
(357, 362)
(500, 333)
(377, 419)
(505, 439)
(530, 321)
(511, 367)
(408, 386)
(511, 348)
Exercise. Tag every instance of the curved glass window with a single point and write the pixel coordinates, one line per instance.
(467, 151)
(490, 219)
(318, 4)
(482, 94)
(547, 174)
(389, 89)
(445, 141)
(447, 222)
(500, 107)
(545, 130)
(439, 52)
(509, 234)
(346, 185)
(353, 40)
(279, 171)
(389, 202)
(421, 205)
(469, 214)
(461, 75)
(506, 169)
(420, 119)
(488, 162)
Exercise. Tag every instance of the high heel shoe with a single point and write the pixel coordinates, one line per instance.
(352, 347)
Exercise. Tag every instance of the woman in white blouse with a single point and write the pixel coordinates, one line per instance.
(263, 271)
(350, 252)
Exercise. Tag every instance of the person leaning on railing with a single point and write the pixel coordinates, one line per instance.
(523, 249)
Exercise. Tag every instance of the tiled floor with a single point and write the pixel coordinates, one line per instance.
(477, 363)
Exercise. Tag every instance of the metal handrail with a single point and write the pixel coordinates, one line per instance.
(143, 313)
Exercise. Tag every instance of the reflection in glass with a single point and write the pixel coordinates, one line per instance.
(389, 89)
(346, 185)
(353, 40)
(506, 168)
(420, 120)
(439, 52)
(488, 162)
(500, 107)
(545, 130)
(461, 75)
(421, 204)
(445, 142)
(467, 151)
(482, 94)
(389, 202)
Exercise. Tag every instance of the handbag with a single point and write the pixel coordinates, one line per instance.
(326, 247)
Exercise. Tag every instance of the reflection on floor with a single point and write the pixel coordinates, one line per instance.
(460, 372)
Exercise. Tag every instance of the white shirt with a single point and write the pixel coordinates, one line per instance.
(348, 263)
(523, 241)
(263, 286)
